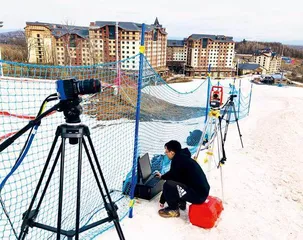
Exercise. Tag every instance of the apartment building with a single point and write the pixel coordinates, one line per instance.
(176, 51)
(215, 50)
(57, 44)
(176, 55)
(100, 42)
(269, 60)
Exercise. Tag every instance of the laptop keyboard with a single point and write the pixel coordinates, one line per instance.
(153, 181)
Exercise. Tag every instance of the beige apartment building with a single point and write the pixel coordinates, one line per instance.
(176, 55)
(100, 42)
(215, 50)
(176, 51)
(269, 60)
(56, 43)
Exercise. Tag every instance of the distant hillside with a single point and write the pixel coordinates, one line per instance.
(13, 46)
(14, 37)
(250, 47)
(296, 47)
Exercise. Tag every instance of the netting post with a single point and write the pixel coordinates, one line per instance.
(132, 192)
(239, 101)
(208, 93)
(234, 86)
(117, 59)
(251, 86)
(1, 67)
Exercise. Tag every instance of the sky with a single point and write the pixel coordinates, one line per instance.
(258, 20)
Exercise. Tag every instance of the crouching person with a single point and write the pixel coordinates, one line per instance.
(185, 181)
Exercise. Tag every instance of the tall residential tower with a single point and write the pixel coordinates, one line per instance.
(74, 45)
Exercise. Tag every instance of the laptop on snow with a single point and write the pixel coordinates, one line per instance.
(146, 175)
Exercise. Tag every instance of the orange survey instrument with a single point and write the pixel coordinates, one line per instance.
(216, 96)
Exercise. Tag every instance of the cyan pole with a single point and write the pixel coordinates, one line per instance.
(239, 97)
(250, 98)
(208, 93)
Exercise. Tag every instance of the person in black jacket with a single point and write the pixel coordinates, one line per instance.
(185, 181)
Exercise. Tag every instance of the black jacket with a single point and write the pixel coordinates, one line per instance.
(185, 170)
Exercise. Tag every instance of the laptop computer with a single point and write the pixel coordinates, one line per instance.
(146, 175)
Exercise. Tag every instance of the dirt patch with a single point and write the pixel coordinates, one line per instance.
(179, 80)
(107, 106)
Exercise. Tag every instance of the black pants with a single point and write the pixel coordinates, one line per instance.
(175, 192)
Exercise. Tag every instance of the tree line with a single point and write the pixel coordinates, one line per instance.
(14, 46)
(249, 47)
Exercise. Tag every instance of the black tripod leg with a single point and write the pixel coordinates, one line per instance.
(49, 178)
(227, 122)
(222, 161)
(24, 226)
(240, 135)
(78, 189)
(61, 190)
(113, 208)
(94, 172)
(224, 112)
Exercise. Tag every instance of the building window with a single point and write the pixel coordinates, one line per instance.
(112, 32)
(155, 36)
(72, 41)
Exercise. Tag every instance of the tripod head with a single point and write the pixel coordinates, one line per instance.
(68, 92)
(71, 109)
(231, 97)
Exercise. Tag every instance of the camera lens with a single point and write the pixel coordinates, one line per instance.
(88, 86)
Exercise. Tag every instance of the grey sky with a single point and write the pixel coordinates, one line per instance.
(268, 20)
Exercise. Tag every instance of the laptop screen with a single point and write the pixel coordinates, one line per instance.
(145, 166)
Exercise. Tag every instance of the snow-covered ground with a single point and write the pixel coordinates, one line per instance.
(262, 182)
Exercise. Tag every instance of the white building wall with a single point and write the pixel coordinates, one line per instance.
(129, 48)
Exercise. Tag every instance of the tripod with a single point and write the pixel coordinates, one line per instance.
(214, 129)
(75, 132)
(228, 108)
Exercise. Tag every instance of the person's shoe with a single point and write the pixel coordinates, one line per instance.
(182, 205)
(168, 213)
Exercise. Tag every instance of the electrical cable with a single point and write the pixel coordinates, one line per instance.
(23, 153)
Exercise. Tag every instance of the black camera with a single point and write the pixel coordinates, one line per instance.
(70, 89)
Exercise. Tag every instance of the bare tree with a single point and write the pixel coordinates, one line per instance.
(70, 41)
(28, 45)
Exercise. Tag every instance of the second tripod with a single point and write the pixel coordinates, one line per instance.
(228, 108)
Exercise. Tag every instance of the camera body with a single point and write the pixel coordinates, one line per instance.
(69, 89)
(216, 96)
(68, 92)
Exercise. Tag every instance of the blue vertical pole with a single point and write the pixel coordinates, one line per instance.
(239, 97)
(134, 179)
(234, 87)
(1, 68)
(208, 93)
(251, 86)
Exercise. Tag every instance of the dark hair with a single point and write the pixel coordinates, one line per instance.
(173, 145)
